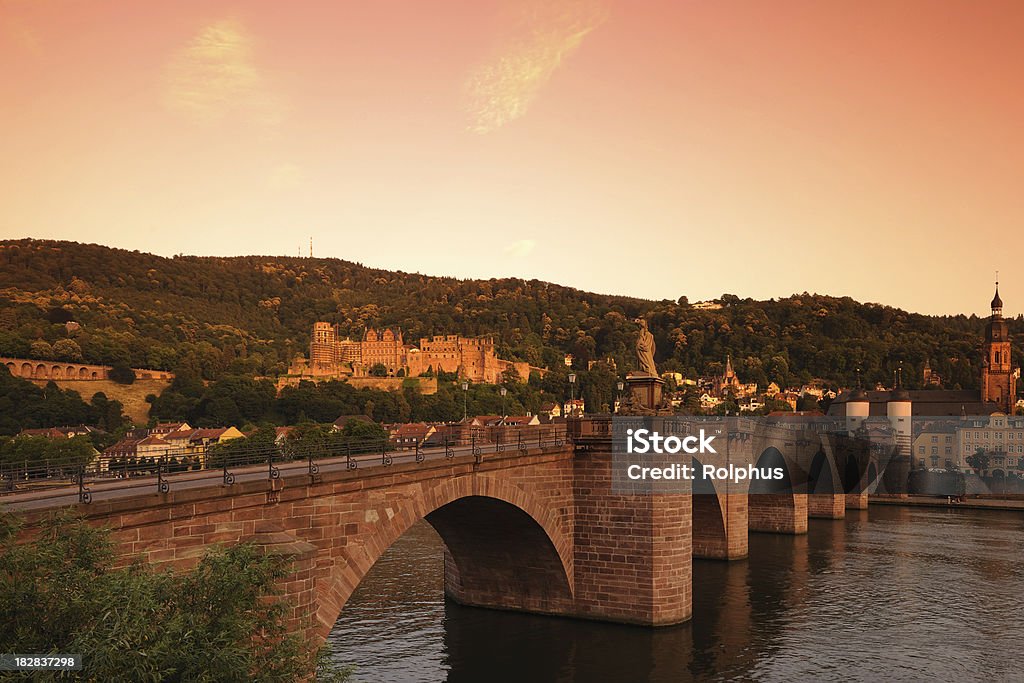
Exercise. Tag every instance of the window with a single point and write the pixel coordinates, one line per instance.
(935, 439)
(935, 450)
(935, 461)
(920, 449)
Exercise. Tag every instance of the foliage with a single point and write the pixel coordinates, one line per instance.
(23, 405)
(979, 461)
(214, 317)
(122, 373)
(220, 622)
(34, 450)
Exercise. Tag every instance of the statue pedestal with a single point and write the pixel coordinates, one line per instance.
(645, 390)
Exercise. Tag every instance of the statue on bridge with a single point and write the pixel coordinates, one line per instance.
(645, 350)
(644, 395)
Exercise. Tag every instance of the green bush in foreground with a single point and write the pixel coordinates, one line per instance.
(60, 594)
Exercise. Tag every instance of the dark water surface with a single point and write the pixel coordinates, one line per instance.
(894, 594)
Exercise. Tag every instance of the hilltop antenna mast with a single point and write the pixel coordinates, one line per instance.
(310, 246)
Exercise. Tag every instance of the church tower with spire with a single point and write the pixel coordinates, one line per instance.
(998, 377)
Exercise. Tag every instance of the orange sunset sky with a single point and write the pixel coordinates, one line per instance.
(871, 149)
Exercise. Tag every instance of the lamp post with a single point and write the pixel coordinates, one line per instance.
(465, 392)
(618, 397)
(503, 391)
(572, 392)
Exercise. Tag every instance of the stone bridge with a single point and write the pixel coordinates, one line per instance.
(540, 530)
(60, 370)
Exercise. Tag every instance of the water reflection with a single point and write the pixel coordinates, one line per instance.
(912, 593)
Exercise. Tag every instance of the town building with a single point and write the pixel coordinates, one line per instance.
(168, 440)
(999, 436)
(411, 435)
(997, 393)
(59, 432)
(935, 446)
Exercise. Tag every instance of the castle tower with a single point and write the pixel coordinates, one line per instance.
(322, 344)
(998, 378)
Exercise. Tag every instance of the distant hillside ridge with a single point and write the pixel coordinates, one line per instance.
(250, 315)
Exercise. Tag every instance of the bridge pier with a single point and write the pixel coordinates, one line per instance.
(778, 513)
(633, 553)
(857, 501)
(270, 538)
(826, 505)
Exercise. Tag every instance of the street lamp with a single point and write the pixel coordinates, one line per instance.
(618, 397)
(465, 392)
(503, 391)
(572, 392)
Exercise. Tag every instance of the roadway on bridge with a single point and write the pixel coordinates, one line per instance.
(117, 488)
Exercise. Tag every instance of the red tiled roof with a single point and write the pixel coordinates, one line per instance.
(412, 430)
(179, 435)
(519, 420)
(123, 445)
(49, 432)
(212, 433)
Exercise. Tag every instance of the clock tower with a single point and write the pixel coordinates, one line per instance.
(998, 377)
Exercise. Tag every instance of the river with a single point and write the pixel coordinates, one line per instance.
(894, 594)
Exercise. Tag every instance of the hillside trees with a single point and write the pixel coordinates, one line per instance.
(216, 317)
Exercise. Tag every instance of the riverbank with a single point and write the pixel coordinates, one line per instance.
(1013, 504)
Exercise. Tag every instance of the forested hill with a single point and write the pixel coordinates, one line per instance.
(250, 314)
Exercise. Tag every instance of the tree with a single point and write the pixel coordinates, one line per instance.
(378, 370)
(23, 405)
(220, 622)
(121, 373)
(41, 349)
(979, 461)
(67, 349)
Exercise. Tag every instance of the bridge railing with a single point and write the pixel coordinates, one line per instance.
(159, 468)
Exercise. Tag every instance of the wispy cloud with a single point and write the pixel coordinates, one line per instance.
(520, 248)
(215, 76)
(501, 89)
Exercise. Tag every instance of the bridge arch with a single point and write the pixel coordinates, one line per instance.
(40, 372)
(710, 535)
(826, 497)
(821, 478)
(503, 548)
(26, 370)
(774, 505)
(56, 372)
